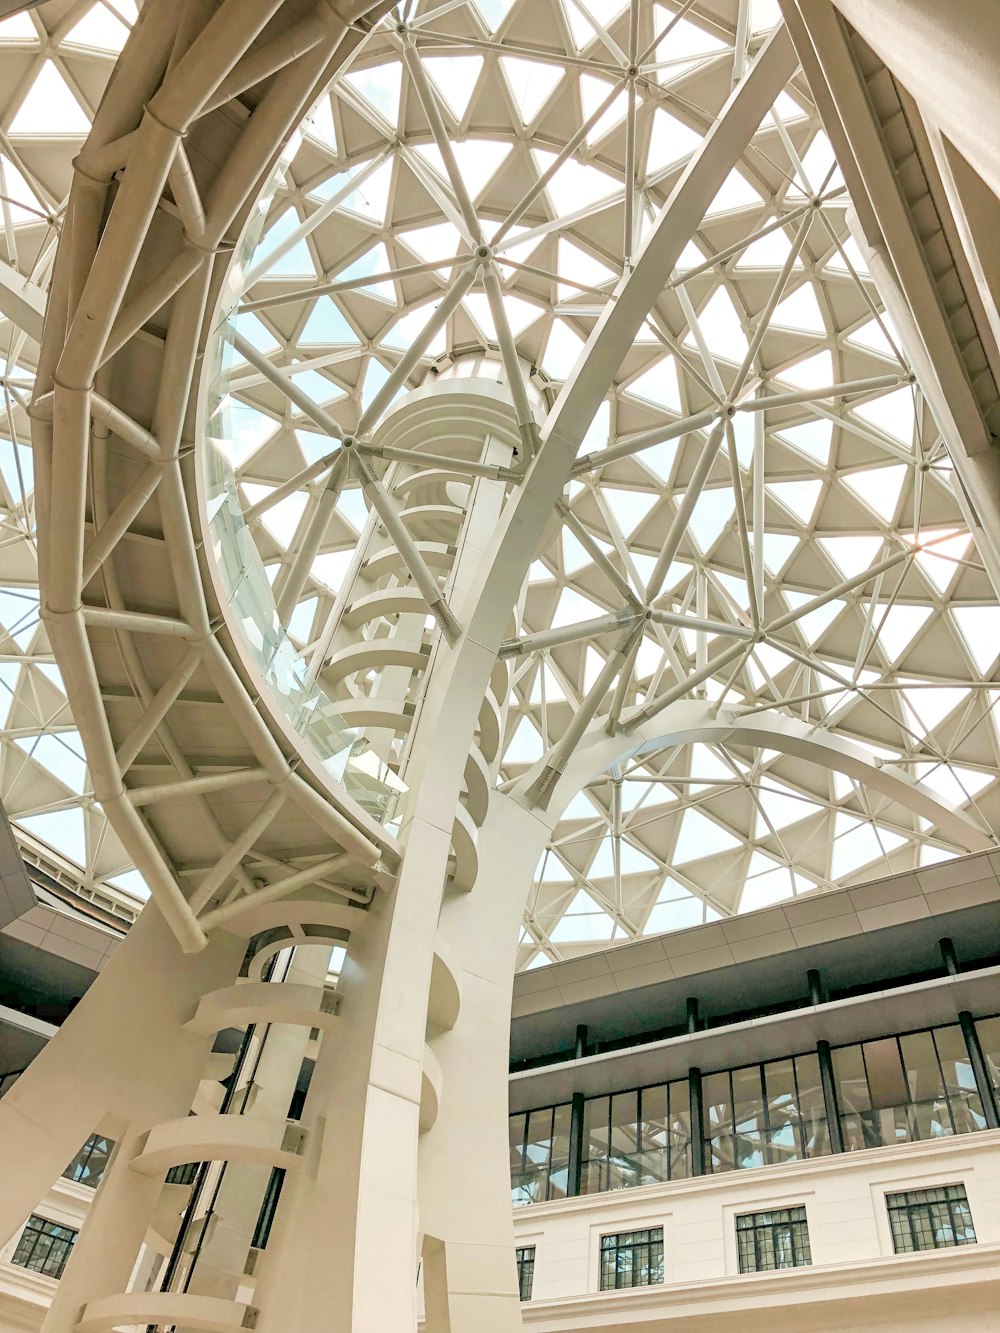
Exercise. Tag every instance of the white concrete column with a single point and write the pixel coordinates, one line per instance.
(122, 1062)
(361, 1111)
(947, 56)
(96, 1073)
(470, 1278)
(362, 1114)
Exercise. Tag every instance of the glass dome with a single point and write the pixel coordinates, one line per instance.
(566, 127)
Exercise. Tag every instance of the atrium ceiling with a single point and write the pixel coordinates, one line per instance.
(796, 549)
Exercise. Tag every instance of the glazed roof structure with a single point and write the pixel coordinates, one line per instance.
(764, 482)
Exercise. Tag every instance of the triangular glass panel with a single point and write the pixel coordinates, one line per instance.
(812, 438)
(629, 508)
(532, 83)
(711, 513)
(812, 372)
(939, 559)
(603, 12)
(575, 185)
(479, 160)
(22, 201)
(296, 262)
(814, 624)
(657, 385)
(980, 630)
(798, 497)
(562, 350)
(375, 260)
(736, 192)
(455, 78)
(892, 413)
(721, 328)
(852, 555)
(525, 745)
(410, 326)
(778, 548)
(580, 266)
(670, 141)
(879, 488)
(700, 836)
(573, 608)
(99, 30)
(380, 87)
(62, 830)
(327, 326)
(593, 92)
(49, 108)
(371, 198)
(800, 310)
(18, 28)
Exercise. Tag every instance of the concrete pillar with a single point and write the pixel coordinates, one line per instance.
(947, 56)
(470, 1274)
(121, 1063)
(362, 1114)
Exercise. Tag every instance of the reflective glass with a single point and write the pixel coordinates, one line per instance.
(988, 1030)
(959, 1080)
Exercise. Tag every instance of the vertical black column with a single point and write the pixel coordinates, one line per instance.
(830, 1095)
(575, 1170)
(696, 1104)
(817, 995)
(979, 1070)
(949, 955)
(693, 1019)
(580, 1047)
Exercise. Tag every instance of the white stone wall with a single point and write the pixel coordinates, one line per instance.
(856, 1282)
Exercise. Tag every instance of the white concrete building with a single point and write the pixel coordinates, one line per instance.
(499, 605)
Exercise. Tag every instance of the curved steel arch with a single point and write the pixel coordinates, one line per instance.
(688, 721)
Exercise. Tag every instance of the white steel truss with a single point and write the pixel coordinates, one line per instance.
(434, 399)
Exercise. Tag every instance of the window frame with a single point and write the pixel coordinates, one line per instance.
(790, 1217)
(909, 1206)
(524, 1257)
(606, 1163)
(809, 1129)
(527, 1172)
(78, 1170)
(45, 1234)
(620, 1243)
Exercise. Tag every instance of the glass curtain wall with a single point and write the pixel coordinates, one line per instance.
(988, 1030)
(539, 1154)
(904, 1089)
(765, 1115)
(636, 1138)
(898, 1089)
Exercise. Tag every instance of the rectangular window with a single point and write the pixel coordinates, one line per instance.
(765, 1114)
(525, 1270)
(87, 1167)
(776, 1239)
(905, 1089)
(632, 1259)
(44, 1246)
(636, 1138)
(539, 1154)
(988, 1031)
(932, 1219)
